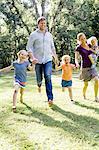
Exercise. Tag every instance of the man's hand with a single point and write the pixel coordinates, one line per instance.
(56, 61)
(34, 61)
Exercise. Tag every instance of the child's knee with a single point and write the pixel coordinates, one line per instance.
(15, 91)
(70, 88)
(16, 88)
(21, 90)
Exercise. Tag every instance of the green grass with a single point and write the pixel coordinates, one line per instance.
(35, 126)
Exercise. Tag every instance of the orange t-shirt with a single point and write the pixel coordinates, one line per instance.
(67, 71)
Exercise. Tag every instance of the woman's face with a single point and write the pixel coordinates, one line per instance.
(82, 39)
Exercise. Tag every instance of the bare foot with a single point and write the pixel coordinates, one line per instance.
(96, 99)
(39, 89)
(84, 97)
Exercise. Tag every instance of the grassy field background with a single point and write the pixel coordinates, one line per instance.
(35, 126)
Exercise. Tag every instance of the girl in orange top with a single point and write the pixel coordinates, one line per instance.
(67, 68)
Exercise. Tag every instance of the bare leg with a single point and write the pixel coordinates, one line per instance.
(96, 88)
(70, 93)
(15, 97)
(84, 89)
(39, 89)
(21, 94)
(63, 89)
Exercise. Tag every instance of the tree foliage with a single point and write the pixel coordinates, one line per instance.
(65, 18)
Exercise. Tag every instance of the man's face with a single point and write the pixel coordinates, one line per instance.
(42, 25)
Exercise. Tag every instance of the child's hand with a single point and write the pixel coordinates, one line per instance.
(56, 66)
(34, 61)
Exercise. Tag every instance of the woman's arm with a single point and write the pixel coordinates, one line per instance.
(76, 59)
(91, 59)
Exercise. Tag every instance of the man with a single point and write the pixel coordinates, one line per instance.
(41, 50)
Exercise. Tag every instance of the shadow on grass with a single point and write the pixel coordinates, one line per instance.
(87, 123)
(80, 127)
(88, 107)
(12, 134)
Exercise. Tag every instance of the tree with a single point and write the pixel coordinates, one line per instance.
(65, 19)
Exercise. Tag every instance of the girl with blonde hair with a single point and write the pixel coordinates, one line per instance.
(20, 67)
(67, 68)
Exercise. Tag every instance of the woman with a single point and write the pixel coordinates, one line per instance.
(88, 72)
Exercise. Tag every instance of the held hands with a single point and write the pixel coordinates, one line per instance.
(34, 60)
(56, 61)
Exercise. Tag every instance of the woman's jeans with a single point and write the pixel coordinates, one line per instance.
(47, 70)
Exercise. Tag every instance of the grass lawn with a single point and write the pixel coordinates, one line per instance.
(35, 126)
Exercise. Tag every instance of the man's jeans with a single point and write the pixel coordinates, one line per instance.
(47, 69)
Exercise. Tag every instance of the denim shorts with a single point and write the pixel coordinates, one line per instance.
(65, 83)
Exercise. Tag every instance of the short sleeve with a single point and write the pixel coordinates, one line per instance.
(14, 63)
(77, 49)
(27, 63)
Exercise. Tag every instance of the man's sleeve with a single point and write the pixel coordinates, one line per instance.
(30, 42)
(53, 47)
(77, 49)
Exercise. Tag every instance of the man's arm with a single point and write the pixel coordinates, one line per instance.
(32, 58)
(30, 49)
(57, 68)
(56, 61)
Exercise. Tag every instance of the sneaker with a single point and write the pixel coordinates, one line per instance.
(72, 101)
(96, 99)
(50, 103)
(14, 109)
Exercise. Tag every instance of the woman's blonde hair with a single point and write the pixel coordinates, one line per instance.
(64, 57)
(79, 35)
